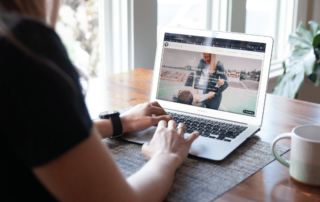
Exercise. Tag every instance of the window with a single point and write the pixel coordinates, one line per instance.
(78, 28)
(188, 13)
(260, 17)
(195, 14)
(116, 35)
(124, 21)
(272, 18)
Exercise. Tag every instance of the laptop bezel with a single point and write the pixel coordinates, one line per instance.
(252, 120)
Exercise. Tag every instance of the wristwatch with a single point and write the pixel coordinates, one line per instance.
(114, 116)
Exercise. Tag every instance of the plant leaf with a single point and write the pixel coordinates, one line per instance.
(299, 52)
(314, 27)
(297, 40)
(315, 76)
(302, 60)
(304, 33)
(291, 82)
(308, 62)
(316, 41)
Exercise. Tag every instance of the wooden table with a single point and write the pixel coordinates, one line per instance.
(273, 182)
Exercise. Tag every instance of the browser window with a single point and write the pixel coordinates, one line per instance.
(214, 73)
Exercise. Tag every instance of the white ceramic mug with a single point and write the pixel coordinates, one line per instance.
(304, 163)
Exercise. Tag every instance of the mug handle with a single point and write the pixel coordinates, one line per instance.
(283, 161)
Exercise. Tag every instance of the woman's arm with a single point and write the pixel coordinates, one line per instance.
(88, 173)
(222, 83)
(224, 86)
(104, 126)
(170, 148)
(85, 173)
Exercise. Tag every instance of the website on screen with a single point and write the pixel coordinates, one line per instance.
(213, 73)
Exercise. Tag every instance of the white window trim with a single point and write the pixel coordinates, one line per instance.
(118, 15)
(222, 18)
(297, 12)
(116, 49)
(286, 24)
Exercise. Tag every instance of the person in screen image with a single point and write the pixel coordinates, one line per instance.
(184, 97)
(52, 149)
(211, 79)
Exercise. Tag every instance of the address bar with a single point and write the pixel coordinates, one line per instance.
(216, 50)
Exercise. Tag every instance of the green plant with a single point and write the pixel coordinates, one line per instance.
(303, 62)
(315, 76)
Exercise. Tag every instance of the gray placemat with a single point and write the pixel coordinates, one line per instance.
(198, 179)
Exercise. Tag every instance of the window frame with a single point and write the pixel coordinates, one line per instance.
(119, 17)
(116, 49)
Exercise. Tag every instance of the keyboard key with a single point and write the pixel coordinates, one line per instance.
(230, 134)
(205, 134)
(220, 137)
(213, 135)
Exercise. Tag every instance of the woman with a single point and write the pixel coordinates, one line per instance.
(212, 80)
(217, 83)
(52, 149)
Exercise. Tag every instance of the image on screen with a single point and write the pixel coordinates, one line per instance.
(210, 80)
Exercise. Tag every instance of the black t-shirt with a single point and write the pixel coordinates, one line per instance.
(43, 114)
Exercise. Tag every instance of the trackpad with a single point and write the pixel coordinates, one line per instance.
(140, 137)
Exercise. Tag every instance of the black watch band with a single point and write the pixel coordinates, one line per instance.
(117, 126)
(115, 121)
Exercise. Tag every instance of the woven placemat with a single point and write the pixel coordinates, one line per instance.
(198, 179)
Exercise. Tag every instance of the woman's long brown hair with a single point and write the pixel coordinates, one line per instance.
(37, 9)
(32, 8)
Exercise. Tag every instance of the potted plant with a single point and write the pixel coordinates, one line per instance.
(303, 62)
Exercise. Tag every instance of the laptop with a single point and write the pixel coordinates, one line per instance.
(215, 83)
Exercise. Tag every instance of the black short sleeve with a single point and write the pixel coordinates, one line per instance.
(47, 115)
(52, 117)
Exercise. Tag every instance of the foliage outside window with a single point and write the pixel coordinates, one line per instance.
(78, 27)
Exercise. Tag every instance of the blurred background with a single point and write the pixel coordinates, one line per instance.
(106, 37)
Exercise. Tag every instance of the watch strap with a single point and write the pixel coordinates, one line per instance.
(117, 126)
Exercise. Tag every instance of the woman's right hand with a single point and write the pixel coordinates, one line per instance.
(220, 82)
(210, 95)
(169, 140)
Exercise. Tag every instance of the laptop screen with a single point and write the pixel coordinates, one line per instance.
(213, 73)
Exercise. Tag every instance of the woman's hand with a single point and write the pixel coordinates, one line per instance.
(169, 140)
(220, 82)
(210, 95)
(143, 116)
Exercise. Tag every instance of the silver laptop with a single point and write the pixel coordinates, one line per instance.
(216, 83)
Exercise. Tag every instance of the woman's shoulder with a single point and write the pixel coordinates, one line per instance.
(34, 36)
(34, 50)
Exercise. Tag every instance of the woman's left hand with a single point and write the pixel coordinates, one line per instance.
(143, 116)
(220, 82)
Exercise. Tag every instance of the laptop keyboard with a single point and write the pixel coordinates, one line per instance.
(209, 128)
